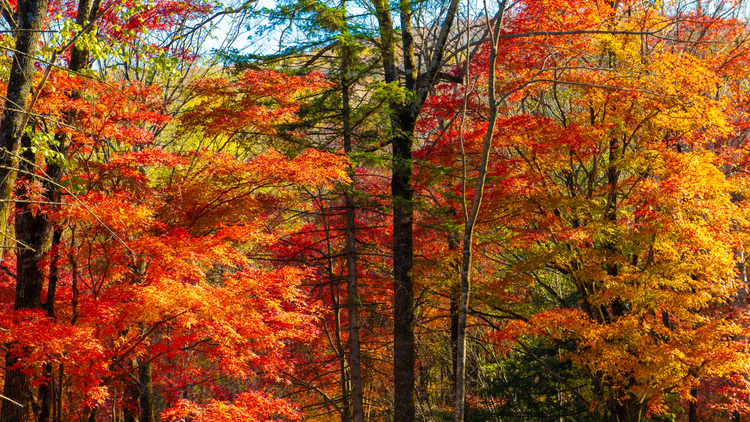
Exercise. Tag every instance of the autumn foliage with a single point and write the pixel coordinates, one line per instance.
(196, 251)
(611, 207)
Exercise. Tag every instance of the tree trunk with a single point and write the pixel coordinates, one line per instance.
(47, 397)
(404, 120)
(455, 297)
(57, 413)
(401, 191)
(352, 290)
(46, 394)
(18, 389)
(31, 15)
(31, 238)
(130, 406)
(339, 345)
(146, 397)
(470, 218)
(92, 413)
(693, 409)
(403, 282)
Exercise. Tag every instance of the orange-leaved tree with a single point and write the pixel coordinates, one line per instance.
(155, 287)
(612, 228)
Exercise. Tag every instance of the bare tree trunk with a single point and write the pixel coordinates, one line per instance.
(693, 409)
(17, 388)
(57, 413)
(46, 394)
(130, 402)
(92, 414)
(455, 297)
(29, 282)
(470, 218)
(352, 290)
(403, 248)
(740, 300)
(339, 345)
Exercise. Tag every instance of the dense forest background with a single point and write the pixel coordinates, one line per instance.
(358, 210)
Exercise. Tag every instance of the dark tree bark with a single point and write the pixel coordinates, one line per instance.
(693, 409)
(146, 396)
(454, 299)
(352, 289)
(30, 16)
(18, 389)
(403, 262)
(29, 281)
(92, 414)
(46, 394)
(418, 82)
(57, 412)
(130, 403)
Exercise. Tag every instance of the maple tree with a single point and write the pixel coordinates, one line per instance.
(130, 299)
(166, 235)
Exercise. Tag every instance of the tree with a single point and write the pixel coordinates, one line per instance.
(96, 256)
(418, 84)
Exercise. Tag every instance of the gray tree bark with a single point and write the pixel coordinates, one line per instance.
(146, 398)
(470, 219)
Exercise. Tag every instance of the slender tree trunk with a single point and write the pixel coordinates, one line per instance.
(740, 300)
(470, 218)
(130, 406)
(455, 297)
(454, 300)
(693, 409)
(339, 345)
(46, 394)
(352, 290)
(57, 414)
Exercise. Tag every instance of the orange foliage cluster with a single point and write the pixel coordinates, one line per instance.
(616, 199)
(154, 266)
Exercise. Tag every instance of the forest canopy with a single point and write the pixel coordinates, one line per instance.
(391, 211)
